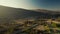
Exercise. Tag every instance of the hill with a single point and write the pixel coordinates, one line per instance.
(9, 13)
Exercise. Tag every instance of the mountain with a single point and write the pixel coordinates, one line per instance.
(9, 13)
(51, 12)
(48, 11)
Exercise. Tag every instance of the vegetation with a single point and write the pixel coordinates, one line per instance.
(29, 26)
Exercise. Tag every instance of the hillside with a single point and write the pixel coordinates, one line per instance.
(10, 22)
(9, 12)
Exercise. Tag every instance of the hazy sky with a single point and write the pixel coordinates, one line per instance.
(32, 4)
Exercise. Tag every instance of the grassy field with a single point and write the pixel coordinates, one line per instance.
(48, 26)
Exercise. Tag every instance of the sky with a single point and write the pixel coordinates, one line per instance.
(32, 4)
